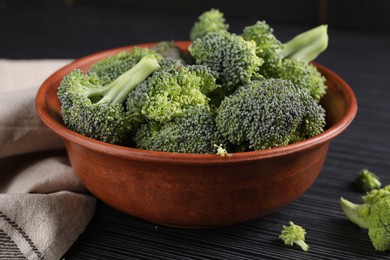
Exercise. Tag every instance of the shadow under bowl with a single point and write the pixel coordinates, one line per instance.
(196, 190)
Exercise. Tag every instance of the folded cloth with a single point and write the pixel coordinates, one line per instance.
(43, 205)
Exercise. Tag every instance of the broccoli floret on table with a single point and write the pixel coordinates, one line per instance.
(294, 234)
(167, 93)
(290, 60)
(95, 109)
(112, 67)
(269, 113)
(209, 21)
(192, 132)
(373, 215)
(367, 180)
(229, 55)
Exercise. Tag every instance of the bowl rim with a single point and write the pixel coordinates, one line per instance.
(184, 158)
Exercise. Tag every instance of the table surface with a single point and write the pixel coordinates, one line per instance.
(361, 58)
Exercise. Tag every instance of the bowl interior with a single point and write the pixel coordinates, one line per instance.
(339, 102)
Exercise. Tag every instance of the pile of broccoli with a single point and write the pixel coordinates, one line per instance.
(228, 92)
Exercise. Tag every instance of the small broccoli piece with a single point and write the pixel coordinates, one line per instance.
(232, 57)
(269, 113)
(96, 110)
(367, 180)
(209, 21)
(294, 234)
(222, 151)
(373, 215)
(291, 60)
(112, 67)
(166, 93)
(192, 132)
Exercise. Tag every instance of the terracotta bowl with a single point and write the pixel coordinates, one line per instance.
(194, 190)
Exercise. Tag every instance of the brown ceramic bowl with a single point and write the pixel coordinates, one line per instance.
(194, 190)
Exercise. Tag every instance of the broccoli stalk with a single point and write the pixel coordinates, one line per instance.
(373, 215)
(117, 91)
(294, 234)
(96, 110)
(307, 45)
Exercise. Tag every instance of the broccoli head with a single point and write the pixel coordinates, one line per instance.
(269, 113)
(267, 45)
(373, 215)
(112, 67)
(290, 60)
(367, 180)
(303, 74)
(97, 110)
(209, 21)
(166, 93)
(294, 234)
(192, 132)
(232, 57)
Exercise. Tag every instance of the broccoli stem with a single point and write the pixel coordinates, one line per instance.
(302, 244)
(351, 211)
(117, 91)
(307, 45)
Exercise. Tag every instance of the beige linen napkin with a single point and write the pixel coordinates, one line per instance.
(43, 205)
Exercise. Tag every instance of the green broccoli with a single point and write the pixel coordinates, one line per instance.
(373, 215)
(290, 60)
(269, 113)
(167, 93)
(192, 132)
(367, 180)
(294, 234)
(209, 21)
(169, 49)
(229, 55)
(112, 67)
(96, 110)
(267, 45)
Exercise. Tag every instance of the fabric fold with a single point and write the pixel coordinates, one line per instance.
(43, 205)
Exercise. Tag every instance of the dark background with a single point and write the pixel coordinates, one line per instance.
(73, 28)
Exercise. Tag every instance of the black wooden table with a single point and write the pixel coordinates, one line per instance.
(360, 57)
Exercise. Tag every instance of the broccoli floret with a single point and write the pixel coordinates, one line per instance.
(96, 110)
(294, 234)
(112, 67)
(291, 60)
(302, 74)
(373, 215)
(267, 45)
(166, 93)
(367, 180)
(232, 57)
(269, 113)
(209, 21)
(168, 49)
(192, 132)
(222, 151)
(208, 76)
